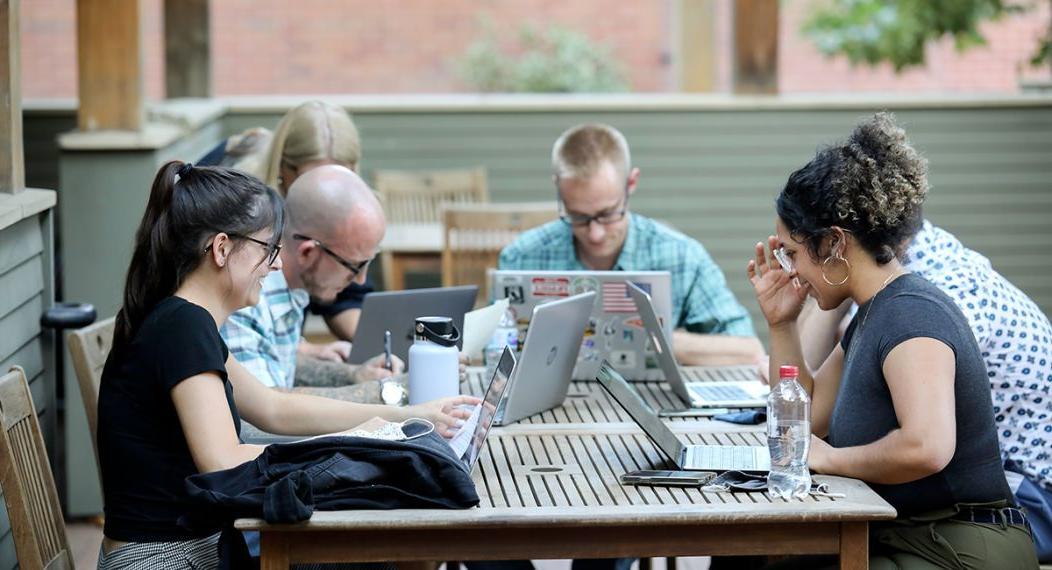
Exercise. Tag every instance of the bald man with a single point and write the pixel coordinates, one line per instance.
(334, 225)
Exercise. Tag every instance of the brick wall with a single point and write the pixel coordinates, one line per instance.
(409, 46)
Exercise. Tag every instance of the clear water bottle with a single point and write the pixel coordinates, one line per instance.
(506, 334)
(788, 436)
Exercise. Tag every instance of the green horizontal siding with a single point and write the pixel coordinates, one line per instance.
(23, 290)
(714, 174)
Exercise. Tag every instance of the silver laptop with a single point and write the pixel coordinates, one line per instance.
(686, 457)
(615, 332)
(498, 385)
(548, 356)
(397, 311)
(705, 394)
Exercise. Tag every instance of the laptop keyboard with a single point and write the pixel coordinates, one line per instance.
(720, 374)
(737, 457)
(719, 392)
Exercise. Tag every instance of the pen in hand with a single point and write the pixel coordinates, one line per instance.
(387, 351)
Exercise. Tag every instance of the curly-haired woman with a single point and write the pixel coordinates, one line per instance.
(902, 402)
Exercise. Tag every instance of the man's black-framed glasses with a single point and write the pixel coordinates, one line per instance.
(272, 249)
(602, 218)
(354, 268)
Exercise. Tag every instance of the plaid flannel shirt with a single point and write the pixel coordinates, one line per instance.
(264, 338)
(701, 301)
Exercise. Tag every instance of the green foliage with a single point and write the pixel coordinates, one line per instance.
(556, 60)
(897, 31)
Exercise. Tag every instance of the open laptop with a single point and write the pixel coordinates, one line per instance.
(615, 332)
(704, 394)
(469, 444)
(753, 458)
(548, 356)
(397, 311)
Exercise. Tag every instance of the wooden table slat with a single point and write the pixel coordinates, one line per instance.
(579, 481)
(552, 486)
(524, 484)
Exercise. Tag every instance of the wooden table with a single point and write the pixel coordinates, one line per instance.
(554, 494)
(548, 488)
(410, 247)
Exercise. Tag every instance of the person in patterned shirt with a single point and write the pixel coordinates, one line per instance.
(1015, 340)
(594, 180)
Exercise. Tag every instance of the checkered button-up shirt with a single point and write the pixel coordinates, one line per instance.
(264, 338)
(701, 301)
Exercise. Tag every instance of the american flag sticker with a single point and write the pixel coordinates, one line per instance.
(616, 298)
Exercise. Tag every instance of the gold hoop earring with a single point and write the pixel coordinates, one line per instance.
(847, 265)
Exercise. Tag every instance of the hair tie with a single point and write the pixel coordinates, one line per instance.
(185, 169)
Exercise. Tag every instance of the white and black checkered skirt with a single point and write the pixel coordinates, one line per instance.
(196, 554)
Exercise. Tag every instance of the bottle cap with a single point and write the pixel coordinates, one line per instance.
(439, 330)
(788, 372)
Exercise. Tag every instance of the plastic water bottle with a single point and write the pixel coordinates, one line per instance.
(788, 436)
(506, 334)
(434, 363)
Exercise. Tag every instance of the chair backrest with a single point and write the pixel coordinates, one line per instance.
(89, 348)
(411, 197)
(475, 234)
(29, 487)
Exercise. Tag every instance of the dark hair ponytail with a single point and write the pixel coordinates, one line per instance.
(187, 206)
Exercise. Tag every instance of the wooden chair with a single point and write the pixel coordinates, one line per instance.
(28, 485)
(417, 197)
(89, 348)
(475, 234)
(412, 203)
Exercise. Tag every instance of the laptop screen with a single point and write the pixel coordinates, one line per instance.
(656, 430)
(488, 408)
(666, 359)
(614, 331)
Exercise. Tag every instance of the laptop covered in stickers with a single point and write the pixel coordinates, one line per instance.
(615, 332)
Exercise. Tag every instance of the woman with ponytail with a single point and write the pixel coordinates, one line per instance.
(171, 397)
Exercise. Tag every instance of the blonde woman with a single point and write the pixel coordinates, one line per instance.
(313, 134)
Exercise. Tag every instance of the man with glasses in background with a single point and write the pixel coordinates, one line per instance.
(333, 229)
(594, 181)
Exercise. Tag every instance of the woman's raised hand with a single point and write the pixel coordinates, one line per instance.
(781, 297)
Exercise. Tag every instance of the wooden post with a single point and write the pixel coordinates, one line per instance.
(755, 67)
(109, 58)
(12, 167)
(696, 64)
(187, 62)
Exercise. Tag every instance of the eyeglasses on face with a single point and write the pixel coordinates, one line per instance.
(272, 249)
(584, 220)
(355, 268)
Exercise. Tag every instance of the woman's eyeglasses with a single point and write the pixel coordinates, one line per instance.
(272, 249)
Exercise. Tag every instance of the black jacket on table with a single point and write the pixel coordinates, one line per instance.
(288, 481)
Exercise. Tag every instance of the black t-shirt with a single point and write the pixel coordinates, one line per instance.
(351, 297)
(911, 307)
(142, 450)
